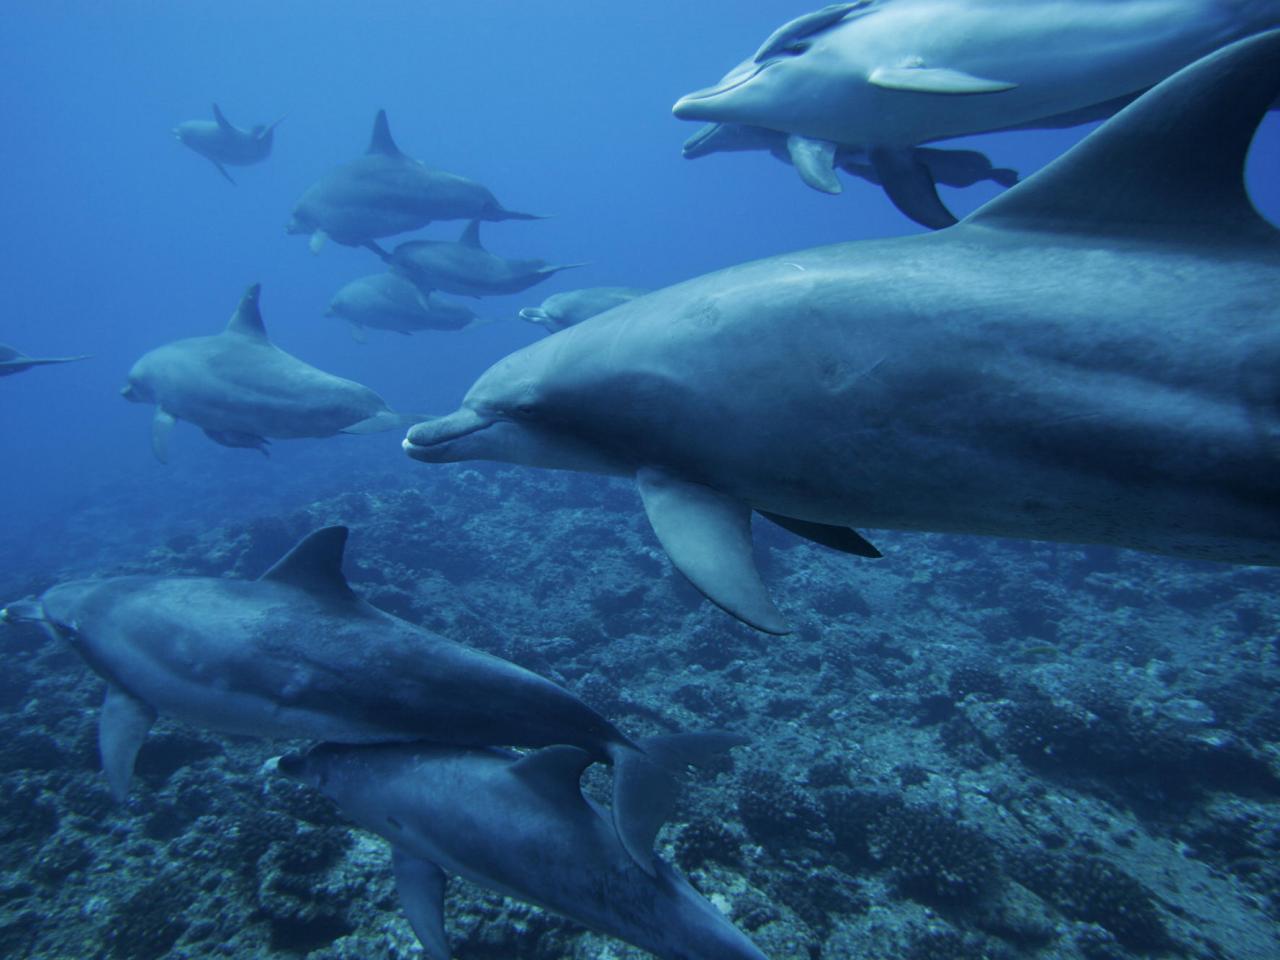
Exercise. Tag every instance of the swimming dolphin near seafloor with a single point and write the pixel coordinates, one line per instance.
(571, 307)
(465, 267)
(242, 389)
(223, 144)
(14, 361)
(518, 825)
(296, 654)
(817, 166)
(387, 301)
(1091, 357)
(889, 75)
(386, 192)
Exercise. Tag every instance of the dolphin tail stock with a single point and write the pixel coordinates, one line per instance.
(385, 420)
(25, 362)
(646, 785)
(557, 267)
(498, 212)
(910, 186)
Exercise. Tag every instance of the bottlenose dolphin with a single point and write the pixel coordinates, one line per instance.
(387, 301)
(464, 266)
(566, 309)
(887, 75)
(297, 654)
(219, 142)
(917, 198)
(385, 192)
(14, 361)
(240, 388)
(1091, 357)
(516, 825)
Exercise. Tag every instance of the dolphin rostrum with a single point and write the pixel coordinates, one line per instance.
(464, 266)
(223, 144)
(571, 307)
(518, 825)
(387, 301)
(386, 192)
(889, 75)
(1091, 357)
(297, 654)
(14, 361)
(241, 389)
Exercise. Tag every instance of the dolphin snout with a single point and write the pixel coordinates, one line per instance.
(430, 441)
(701, 104)
(23, 611)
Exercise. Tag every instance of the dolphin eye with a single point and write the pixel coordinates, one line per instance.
(795, 49)
(525, 411)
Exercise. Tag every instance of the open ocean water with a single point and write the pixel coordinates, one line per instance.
(970, 749)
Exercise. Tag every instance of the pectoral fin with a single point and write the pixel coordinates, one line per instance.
(815, 162)
(223, 170)
(910, 186)
(421, 884)
(707, 535)
(161, 427)
(122, 726)
(935, 80)
(844, 539)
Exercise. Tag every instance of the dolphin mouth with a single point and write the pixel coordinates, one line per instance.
(432, 440)
(687, 107)
(698, 145)
(23, 611)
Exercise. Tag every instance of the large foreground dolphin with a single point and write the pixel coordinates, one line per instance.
(297, 654)
(1092, 357)
(887, 75)
(519, 826)
(223, 144)
(464, 266)
(14, 361)
(241, 389)
(386, 192)
(387, 301)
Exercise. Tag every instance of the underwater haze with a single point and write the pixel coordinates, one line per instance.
(971, 748)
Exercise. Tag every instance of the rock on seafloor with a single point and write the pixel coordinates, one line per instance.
(968, 749)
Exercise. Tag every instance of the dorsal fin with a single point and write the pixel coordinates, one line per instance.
(553, 772)
(315, 564)
(247, 320)
(1171, 164)
(471, 235)
(380, 141)
(222, 121)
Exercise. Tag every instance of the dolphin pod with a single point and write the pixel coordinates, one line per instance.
(386, 192)
(241, 389)
(889, 75)
(297, 654)
(14, 361)
(1091, 357)
(223, 144)
(516, 825)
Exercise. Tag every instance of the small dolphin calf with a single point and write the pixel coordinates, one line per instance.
(1091, 357)
(241, 389)
(387, 301)
(464, 266)
(566, 309)
(888, 75)
(385, 193)
(14, 361)
(297, 654)
(519, 826)
(225, 145)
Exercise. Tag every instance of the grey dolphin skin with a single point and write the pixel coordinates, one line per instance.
(14, 361)
(1092, 357)
(386, 192)
(387, 301)
(242, 389)
(516, 825)
(465, 267)
(571, 307)
(297, 654)
(223, 144)
(915, 195)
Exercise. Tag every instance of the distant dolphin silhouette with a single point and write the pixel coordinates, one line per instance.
(386, 192)
(241, 389)
(219, 142)
(1091, 357)
(571, 307)
(14, 361)
(387, 301)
